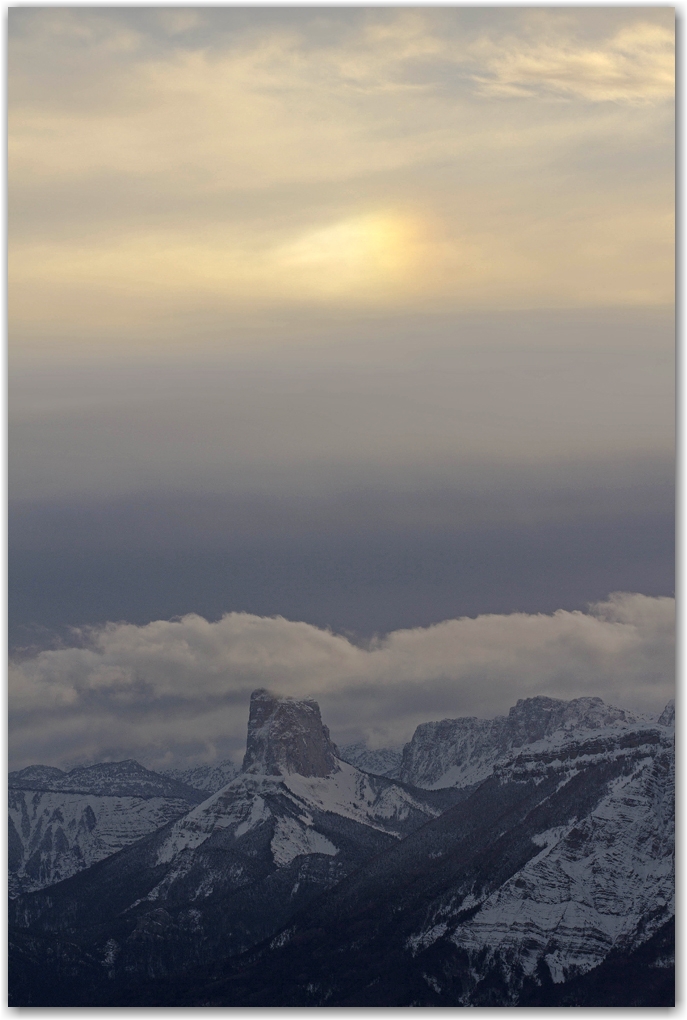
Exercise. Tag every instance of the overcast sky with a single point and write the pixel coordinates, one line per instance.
(168, 164)
(358, 317)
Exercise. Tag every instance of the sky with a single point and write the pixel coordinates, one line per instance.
(349, 323)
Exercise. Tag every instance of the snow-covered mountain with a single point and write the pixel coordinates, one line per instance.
(291, 776)
(384, 761)
(552, 883)
(206, 778)
(537, 871)
(230, 871)
(461, 752)
(62, 822)
(602, 880)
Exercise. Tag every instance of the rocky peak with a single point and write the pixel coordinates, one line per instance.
(532, 719)
(463, 751)
(667, 716)
(286, 735)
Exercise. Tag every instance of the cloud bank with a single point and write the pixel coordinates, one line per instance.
(177, 691)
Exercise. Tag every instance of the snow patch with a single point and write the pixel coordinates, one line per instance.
(425, 939)
(259, 812)
(291, 839)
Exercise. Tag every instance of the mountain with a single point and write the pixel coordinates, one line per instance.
(385, 761)
(308, 882)
(206, 778)
(460, 752)
(555, 875)
(62, 822)
(286, 735)
(233, 869)
(108, 779)
(667, 716)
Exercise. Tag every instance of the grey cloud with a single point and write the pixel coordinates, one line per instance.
(426, 401)
(478, 498)
(85, 565)
(179, 689)
(93, 37)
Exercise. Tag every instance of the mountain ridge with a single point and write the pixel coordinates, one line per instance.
(126, 778)
(336, 886)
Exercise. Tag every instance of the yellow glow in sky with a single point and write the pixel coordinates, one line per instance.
(359, 254)
(219, 162)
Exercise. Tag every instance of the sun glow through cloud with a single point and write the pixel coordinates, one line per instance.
(365, 159)
(364, 253)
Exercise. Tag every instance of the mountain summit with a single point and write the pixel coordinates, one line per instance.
(287, 736)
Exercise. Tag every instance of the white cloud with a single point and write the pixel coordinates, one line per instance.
(173, 690)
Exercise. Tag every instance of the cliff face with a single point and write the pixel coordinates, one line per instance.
(62, 822)
(460, 752)
(287, 736)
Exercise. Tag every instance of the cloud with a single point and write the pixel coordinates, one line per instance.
(383, 404)
(156, 176)
(636, 66)
(178, 690)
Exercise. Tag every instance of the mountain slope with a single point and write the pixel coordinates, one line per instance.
(385, 761)
(206, 778)
(60, 823)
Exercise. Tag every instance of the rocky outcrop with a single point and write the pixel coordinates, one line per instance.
(287, 736)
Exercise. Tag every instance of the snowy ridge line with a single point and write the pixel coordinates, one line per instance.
(250, 800)
(124, 779)
(460, 752)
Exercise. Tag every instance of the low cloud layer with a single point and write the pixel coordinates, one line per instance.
(177, 691)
